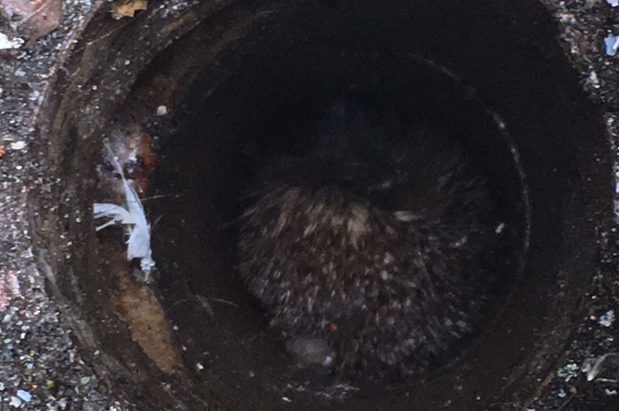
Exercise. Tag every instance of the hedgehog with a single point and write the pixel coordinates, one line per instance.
(369, 246)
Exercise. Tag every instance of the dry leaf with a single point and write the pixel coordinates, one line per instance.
(32, 18)
(149, 326)
(128, 8)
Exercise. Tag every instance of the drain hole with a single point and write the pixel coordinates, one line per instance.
(340, 226)
(336, 212)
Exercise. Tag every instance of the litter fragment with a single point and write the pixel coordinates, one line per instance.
(607, 319)
(613, 3)
(594, 366)
(7, 43)
(568, 372)
(34, 18)
(18, 145)
(128, 8)
(611, 42)
(24, 395)
(15, 402)
(593, 79)
(133, 218)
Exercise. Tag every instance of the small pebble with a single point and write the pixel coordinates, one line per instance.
(162, 110)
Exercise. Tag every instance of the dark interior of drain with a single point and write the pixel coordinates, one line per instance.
(255, 101)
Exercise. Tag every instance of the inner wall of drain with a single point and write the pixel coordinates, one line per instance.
(258, 99)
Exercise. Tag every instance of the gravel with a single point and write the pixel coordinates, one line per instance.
(40, 365)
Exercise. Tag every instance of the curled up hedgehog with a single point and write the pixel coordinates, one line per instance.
(367, 249)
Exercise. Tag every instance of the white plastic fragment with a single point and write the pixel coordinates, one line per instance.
(15, 402)
(568, 371)
(24, 395)
(132, 216)
(611, 42)
(593, 366)
(7, 43)
(613, 3)
(162, 110)
(593, 79)
(18, 145)
(607, 319)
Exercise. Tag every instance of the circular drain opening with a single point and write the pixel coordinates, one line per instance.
(225, 135)
(257, 76)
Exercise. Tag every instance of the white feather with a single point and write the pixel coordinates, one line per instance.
(133, 218)
(116, 213)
